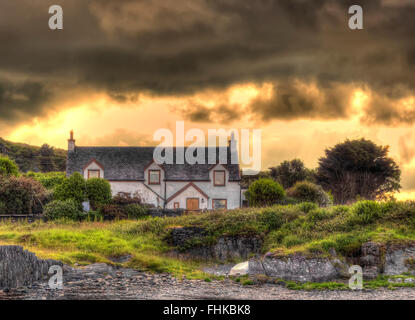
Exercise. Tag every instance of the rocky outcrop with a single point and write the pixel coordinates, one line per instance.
(226, 247)
(391, 259)
(296, 268)
(229, 248)
(20, 267)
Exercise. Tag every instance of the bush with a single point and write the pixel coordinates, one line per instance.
(98, 191)
(21, 195)
(49, 180)
(273, 219)
(306, 191)
(123, 201)
(135, 211)
(8, 167)
(112, 211)
(73, 188)
(367, 211)
(265, 192)
(306, 207)
(63, 209)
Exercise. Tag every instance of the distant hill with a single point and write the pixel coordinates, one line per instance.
(33, 158)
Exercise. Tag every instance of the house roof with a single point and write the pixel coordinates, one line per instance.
(129, 164)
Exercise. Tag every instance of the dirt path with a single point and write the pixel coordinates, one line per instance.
(103, 282)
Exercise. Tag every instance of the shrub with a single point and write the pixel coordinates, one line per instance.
(21, 195)
(135, 211)
(98, 191)
(273, 219)
(306, 207)
(306, 191)
(367, 211)
(112, 211)
(123, 201)
(8, 167)
(49, 180)
(73, 188)
(63, 209)
(264, 192)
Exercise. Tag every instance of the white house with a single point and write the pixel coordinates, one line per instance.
(132, 171)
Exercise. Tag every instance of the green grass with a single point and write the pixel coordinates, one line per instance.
(284, 229)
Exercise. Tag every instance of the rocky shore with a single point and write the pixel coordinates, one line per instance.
(103, 282)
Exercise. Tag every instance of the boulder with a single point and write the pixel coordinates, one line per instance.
(299, 268)
(240, 269)
(397, 260)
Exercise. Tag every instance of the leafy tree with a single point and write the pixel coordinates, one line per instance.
(49, 180)
(98, 191)
(290, 172)
(358, 168)
(8, 167)
(73, 187)
(264, 192)
(306, 191)
(21, 195)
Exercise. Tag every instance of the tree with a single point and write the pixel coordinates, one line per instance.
(73, 187)
(264, 192)
(358, 168)
(98, 191)
(306, 191)
(290, 172)
(8, 167)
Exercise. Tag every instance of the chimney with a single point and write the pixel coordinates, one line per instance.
(71, 142)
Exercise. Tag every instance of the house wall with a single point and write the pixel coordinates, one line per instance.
(229, 192)
(190, 192)
(136, 187)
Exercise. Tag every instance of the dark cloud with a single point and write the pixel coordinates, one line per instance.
(179, 47)
(224, 113)
(20, 99)
(406, 150)
(295, 100)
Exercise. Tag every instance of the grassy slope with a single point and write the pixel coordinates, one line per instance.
(28, 158)
(285, 229)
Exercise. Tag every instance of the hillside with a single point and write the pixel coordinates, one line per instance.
(33, 158)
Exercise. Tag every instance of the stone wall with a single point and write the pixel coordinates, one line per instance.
(20, 267)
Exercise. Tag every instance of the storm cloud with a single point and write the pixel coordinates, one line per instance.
(180, 47)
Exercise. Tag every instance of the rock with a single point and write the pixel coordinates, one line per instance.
(371, 259)
(409, 280)
(20, 267)
(255, 267)
(341, 267)
(299, 268)
(240, 269)
(396, 260)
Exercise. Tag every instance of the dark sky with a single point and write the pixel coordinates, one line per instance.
(179, 47)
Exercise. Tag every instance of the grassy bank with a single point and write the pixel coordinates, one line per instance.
(284, 229)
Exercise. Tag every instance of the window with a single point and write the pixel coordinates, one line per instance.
(94, 174)
(154, 177)
(176, 205)
(219, 204)
(219, 178)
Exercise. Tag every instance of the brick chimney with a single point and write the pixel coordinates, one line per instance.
(71, 142)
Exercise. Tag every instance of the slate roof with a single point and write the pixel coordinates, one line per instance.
(129, 164)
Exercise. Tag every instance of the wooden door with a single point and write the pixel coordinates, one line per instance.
(192, 204)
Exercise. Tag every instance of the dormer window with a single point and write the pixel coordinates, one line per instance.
(154, 177)
(94, 174)
(219, 178)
